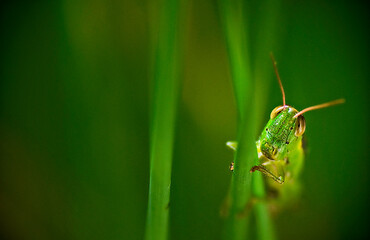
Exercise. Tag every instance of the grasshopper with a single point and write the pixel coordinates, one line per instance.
(279, 147)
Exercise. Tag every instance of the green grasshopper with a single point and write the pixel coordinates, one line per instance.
(279, 147)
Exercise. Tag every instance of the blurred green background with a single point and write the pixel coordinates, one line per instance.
(74, 115)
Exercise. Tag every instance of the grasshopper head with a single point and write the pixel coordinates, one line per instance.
(282, 131)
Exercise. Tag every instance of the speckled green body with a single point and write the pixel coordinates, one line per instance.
(281, 157)
(280, 151)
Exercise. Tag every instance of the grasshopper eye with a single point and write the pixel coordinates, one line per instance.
(301, 126)
(276, 111)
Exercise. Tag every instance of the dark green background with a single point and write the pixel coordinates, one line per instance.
(74, 114)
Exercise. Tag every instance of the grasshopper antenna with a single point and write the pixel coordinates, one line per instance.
(323, 105)
(278, 77)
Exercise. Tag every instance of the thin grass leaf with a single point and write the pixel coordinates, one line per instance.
(163, 111)
(249, 103)
(240, 192)
(264, 225)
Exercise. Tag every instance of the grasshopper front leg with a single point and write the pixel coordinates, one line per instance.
(268, 173)
(233, 145)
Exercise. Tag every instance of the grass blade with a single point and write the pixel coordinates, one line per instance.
(240, 192)
(163, 111)
(265, 229)
(249, 103)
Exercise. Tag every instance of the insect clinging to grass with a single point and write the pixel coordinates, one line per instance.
(279, 147)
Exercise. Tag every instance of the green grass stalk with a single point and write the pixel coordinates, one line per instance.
(163, 110)
(248, 98)
(234, 27)
(264, 224)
